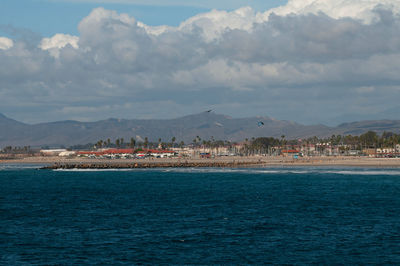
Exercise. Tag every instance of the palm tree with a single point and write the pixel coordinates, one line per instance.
(132, 144)
(172, 141)
(283, 141)
(99, 144)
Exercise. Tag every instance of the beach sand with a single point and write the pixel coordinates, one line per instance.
(232, 161)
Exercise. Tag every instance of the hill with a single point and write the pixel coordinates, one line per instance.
(186, 128)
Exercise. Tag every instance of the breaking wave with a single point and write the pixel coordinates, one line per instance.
(8, 167)
(300, 171)
(266, 171)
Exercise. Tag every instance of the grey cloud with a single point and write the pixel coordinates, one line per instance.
(312, 38)
(307, 68)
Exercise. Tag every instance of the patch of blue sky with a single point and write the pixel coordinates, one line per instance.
(63, 17)
(48, 17)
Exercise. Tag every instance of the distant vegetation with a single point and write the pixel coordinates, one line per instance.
(254, 145)
(17, 150)
(369, 140)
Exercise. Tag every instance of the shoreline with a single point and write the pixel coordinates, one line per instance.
(220, 162)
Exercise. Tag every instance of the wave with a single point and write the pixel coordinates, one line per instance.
(265, 171)
(269, 171)
(96, 170)
(366, 172)
(300, 171)
(8, 167)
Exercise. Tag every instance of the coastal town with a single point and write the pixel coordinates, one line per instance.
(238, 149)
(200, 152)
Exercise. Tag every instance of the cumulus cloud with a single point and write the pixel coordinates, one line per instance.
(356, 9)
(6, 43)
(308, 61)
(58, 41)
(214, 23)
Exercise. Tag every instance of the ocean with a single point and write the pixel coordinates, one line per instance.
(199, 216)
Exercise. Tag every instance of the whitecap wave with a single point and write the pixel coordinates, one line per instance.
(365, 172)
(294, 171)
(265, 171)
(95, 170)
(8, 167)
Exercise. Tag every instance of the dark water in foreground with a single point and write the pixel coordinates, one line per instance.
(255, 216)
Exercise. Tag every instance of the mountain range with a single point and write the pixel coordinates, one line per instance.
(205, 125)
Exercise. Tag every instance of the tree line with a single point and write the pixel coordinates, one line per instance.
(368, 140)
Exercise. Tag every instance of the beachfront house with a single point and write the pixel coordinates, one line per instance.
(51, 152)
(161, 153)
(291, 153)
(67, 154)
(108, 153)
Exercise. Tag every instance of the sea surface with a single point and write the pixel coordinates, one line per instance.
(199, 216)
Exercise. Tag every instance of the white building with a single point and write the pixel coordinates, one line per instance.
(52, 152)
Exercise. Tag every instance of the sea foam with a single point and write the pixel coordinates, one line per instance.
(265, 171)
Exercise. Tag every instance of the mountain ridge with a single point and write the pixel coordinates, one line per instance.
(185, 128)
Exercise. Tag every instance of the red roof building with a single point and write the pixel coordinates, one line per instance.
(125, 151)
(290, 151)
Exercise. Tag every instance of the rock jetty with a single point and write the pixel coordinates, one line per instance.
(136, 165)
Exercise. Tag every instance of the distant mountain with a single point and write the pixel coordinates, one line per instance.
(379, 126)
(388, 114)
(8, 122)
(8, 127)
(205, 125)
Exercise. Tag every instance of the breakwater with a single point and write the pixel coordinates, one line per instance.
(127, 165)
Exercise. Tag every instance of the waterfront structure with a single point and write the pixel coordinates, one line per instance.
(51, 152)
(126, 153)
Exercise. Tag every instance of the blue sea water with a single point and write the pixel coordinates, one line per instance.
(200, 216)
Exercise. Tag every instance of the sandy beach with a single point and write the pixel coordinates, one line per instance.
(234, 161)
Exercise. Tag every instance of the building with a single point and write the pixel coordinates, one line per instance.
(51, 152)
(290, 152)
(160, 153)
(67, 154)
(126, 153)
(108, 153)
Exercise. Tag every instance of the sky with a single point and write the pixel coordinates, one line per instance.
(309, 61)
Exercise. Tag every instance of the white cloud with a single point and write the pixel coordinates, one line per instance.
(155, 30)
(215, 22)
(356, 9)
(101, 25)
(239, 61)
(59, 41)
(6, 43)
